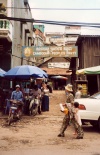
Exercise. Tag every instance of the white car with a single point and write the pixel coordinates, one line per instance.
(90, 109)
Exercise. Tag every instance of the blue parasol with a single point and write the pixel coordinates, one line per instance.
(25, 72)
(2, 72)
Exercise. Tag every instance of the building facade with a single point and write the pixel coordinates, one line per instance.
(89, 56)
(39, 40)
(57, 67)
(55, 38)
(14, 34)
(72, 33)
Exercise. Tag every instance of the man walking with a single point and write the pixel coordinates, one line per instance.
(69, 116)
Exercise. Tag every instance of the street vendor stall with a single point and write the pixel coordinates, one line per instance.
(92, 75)
(90, 70)
(25, 72)
(84, 85)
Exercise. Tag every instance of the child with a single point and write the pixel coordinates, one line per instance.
(77, 114)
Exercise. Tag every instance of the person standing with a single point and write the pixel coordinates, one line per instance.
(2, 99)
(78, 94)
(8, 104)
(45, 98)
(27, 90)
(77, 115)
(70, 116)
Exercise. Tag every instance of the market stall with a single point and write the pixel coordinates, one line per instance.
(92, 75)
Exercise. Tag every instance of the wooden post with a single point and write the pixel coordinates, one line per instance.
(98, 82)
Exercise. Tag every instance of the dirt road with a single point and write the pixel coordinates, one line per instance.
(39, 134)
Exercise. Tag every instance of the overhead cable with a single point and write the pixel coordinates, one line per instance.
(59, 9)
(32, 20)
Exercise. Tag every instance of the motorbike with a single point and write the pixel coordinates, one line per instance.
(15, 111)
(27, 100)
(34, 105)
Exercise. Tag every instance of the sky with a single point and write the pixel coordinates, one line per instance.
(65, 15)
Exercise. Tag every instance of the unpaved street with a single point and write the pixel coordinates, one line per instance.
(38, 135)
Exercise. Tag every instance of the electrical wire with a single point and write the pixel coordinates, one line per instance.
(68, 23)
(96, 25)
(61, 9)
(21, 58)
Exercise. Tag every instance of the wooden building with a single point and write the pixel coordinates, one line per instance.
(89, 51)
(89, 56)
(57, 70)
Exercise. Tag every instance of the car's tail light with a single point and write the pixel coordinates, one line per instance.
(82, 107)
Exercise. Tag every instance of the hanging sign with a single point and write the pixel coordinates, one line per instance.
(50, 51)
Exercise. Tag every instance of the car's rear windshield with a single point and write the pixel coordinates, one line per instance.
(95, 96)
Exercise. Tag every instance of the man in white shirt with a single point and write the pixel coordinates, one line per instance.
(78, 93)
(37, 92)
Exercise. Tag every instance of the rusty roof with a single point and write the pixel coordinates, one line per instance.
(57, 71)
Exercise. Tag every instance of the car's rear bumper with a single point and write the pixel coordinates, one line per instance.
(88, 115)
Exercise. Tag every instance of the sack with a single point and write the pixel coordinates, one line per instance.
(63, 109)
(66, 111)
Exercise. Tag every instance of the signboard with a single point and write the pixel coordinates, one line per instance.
(58, 64)
(50, 51)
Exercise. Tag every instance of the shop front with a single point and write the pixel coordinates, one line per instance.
(92, 76)
(59, 77)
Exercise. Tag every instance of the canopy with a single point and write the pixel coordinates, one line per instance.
(2, 72)
(25, 72)
(90, 70)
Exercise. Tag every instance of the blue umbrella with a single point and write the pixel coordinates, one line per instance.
(25, 72)
(2, 72)
(59, 77)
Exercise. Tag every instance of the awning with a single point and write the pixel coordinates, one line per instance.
(90, 70)
(57, 71)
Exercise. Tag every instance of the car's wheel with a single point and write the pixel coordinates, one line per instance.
(99, 124)
(83, 122)
(94, 124)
